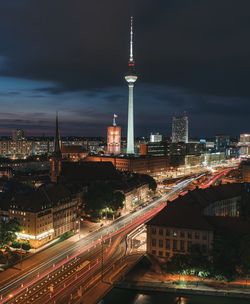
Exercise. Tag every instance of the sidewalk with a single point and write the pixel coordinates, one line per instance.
(184, 289)
(148, 281)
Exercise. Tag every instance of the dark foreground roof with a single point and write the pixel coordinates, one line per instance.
(181, 215)
(39, 199)
(187, 211)
(89, 171)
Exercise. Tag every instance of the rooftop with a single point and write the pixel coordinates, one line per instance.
(187, 211)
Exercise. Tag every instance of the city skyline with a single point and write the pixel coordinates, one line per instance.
(185, 63)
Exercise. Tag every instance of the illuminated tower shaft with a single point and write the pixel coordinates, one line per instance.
(131, 79)
(130, 131)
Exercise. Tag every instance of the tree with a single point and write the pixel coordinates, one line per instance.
(21, 245)
(98, 197)
(150, 180)
(244, 253)
(226, 254)
(117, 201)
(26, 246)
(8, 230)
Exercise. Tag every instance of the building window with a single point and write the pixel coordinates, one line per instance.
(204, 248)
(182, 245)
(189, 246)
(197, 235)
(174, 245)
(153, 229)
(160, 253)
(160, 231)
(161, 243)
(167, 244)
(153, 252)
(153, 242)
(182, 234)
(167, 232)
(204, 236)
(190, 235)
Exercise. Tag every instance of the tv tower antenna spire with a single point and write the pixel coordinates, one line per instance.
(131, 59)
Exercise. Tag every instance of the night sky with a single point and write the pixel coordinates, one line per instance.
(71, 56)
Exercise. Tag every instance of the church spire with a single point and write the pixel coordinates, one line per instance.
(57, 150)
(56, 159)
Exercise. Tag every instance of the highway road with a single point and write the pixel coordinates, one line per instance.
(60, 270)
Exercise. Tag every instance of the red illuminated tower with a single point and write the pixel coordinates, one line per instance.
(114, 138)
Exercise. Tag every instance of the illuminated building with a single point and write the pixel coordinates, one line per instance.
(196, 218)
(43, 146)
(222, 142)
(45, 213)
(155, 137)
(157, 148)
(245, 167)
(180, 129)
(114, 138)
(143, 164)
(143, 149)
(18, 134)
(131, 78)
(73, 152)
(244, 144)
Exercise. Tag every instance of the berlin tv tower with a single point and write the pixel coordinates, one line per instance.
(131, 79)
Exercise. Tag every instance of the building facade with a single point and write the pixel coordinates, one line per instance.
(114, 138)
(180, 129)
(192, 221)
(45, 213)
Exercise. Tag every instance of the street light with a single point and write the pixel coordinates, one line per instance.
(79, 227)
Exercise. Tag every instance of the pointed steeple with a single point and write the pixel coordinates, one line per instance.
(56, 159)
(57, 150)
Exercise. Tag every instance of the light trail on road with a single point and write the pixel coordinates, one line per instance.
(121, 227)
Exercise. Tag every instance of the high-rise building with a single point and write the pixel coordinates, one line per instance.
(155, 137)
(18, 134)
(244, 144)
(180, 129)
(114, 138)
(222, 142)
(131, 78)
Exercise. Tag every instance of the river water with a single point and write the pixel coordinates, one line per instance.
(120, 296)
